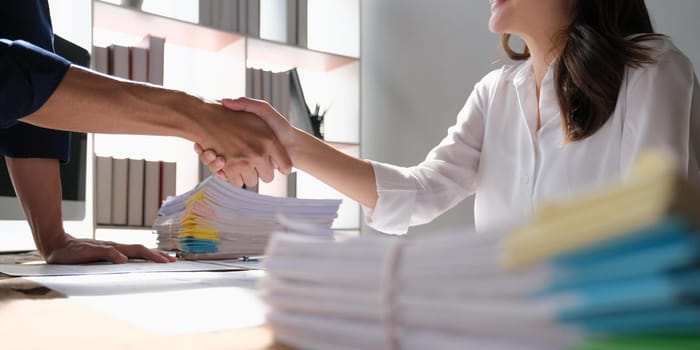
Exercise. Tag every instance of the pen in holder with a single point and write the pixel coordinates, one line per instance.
(317, 121)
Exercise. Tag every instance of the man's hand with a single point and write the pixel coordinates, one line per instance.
(77, 251)
(90, 102)
(38, 186)
(219, 163)
(249, 146)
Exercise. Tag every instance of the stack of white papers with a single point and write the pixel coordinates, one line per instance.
(218, 220)
(444, 292)
(615, 269)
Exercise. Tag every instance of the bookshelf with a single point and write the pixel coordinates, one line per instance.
(211, 62)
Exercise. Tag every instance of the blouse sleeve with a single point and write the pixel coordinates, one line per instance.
(663, 111)
(417, 195)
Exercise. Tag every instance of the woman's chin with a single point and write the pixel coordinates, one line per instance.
(496, 25)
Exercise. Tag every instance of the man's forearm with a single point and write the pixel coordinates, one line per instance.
(37, 183)
(90, 102)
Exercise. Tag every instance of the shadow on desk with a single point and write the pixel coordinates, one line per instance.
(34, 317)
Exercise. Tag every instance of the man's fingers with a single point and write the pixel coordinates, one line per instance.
(148, 254)
(198, 148)
(112, 254)
(250, 177)
(207, 157)
(281, 158)
(266, 173)
(236, 180)
(84, 252)
(137, 251)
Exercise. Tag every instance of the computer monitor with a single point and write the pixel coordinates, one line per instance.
(15, 234)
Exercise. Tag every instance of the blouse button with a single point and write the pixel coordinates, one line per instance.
(525, 179)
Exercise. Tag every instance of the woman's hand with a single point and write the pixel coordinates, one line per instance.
(352, 176)
(72, 250)
(285, 132)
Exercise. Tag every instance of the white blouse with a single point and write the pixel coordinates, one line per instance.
(496, 152)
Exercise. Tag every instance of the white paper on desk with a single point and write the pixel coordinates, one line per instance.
(250, 264)
(109, 268)
(169, 303)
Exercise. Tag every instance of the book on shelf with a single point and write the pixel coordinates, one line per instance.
(228, 15)
(284, 92)
(168, 175)
(128, 191)
(267, 86)
(257, 83)
(119, 61)
(206, 12)
(302, 23)
(143, 62)
(156, 58)
(218, 220)
(242, 17)
(138, 64)
(103, 190)
(120, 188)
(239, 16)
(253, 18)
(135, 197)
(151, 192)
(633, 277)
(100, 59)
(292, 25)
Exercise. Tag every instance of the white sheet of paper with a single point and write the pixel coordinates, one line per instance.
(169, 303)
(251, 264)
(132, 266)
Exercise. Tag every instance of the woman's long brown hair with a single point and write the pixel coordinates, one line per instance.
(596, 49)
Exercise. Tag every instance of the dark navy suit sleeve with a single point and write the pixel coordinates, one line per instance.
(29, 74)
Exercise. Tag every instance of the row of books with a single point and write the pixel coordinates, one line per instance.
(614, 269)
(216, 220)
(284, 92)
(130, 191)
(279, 20)
(143, 62)
(240, 16)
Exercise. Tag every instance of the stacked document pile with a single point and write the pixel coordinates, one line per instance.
(616, 269)
(218, 220)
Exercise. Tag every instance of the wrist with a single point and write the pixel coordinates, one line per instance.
(302, 147)
(49, 241)
(195, 116)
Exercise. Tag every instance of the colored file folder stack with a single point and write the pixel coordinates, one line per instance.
(614, 269)
(218, 220)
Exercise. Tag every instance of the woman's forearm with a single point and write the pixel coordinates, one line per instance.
(349, 175)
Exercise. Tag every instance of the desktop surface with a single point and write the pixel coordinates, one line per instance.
(35, 317)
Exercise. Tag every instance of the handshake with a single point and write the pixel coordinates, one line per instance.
(248, 145)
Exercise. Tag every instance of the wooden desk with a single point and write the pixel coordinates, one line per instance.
(33, 317)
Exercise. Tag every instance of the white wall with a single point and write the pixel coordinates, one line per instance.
(420, 60)
(679, 20)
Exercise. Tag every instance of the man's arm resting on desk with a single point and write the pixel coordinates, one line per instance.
(38, 187)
